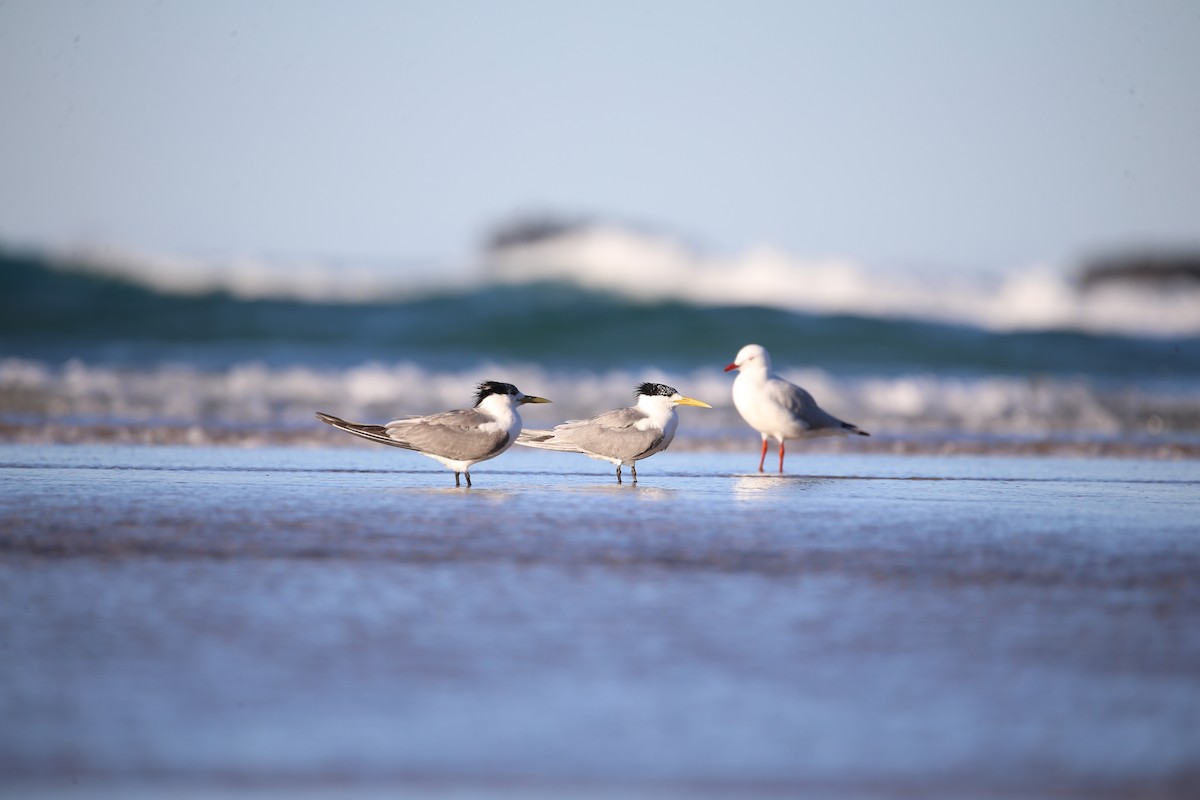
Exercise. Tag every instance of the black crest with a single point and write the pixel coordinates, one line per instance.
(493, 387)
(652, 389)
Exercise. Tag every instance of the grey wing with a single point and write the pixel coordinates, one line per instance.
(613, 434)
(808, 414)
(461, 435)
(801, 405)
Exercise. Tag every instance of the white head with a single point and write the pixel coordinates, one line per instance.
(751, 357)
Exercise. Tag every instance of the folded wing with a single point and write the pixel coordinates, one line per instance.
(464, 435)
(613, 435)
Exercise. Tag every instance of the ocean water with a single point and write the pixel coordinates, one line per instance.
(206, 621)
(121, 349)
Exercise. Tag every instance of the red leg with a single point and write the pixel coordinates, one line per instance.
(781, 456)
(762, 460)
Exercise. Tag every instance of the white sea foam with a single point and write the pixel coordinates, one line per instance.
(252, 395)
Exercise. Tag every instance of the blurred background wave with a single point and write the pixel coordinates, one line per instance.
(134, 349)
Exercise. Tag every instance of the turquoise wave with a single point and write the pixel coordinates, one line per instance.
(51, 313)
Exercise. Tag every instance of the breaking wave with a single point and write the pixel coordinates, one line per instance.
(651, 268)
(659, 268)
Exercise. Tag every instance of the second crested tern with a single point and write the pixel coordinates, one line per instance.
(623, 436)
(458, 439)
(778, 408)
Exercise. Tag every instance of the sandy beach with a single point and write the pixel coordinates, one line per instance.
(342, 621)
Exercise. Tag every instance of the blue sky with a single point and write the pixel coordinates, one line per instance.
(938, 134)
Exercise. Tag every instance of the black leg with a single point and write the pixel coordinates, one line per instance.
(456, 483)
(633, 469)
(468, 479)
(619, 474)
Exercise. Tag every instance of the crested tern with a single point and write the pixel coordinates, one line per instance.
(623, 436)
(778, 408)
(458, 439)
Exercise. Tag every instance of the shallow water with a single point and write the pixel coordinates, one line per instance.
(344, 621)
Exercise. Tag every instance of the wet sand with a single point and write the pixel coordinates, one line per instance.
(292, 621)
